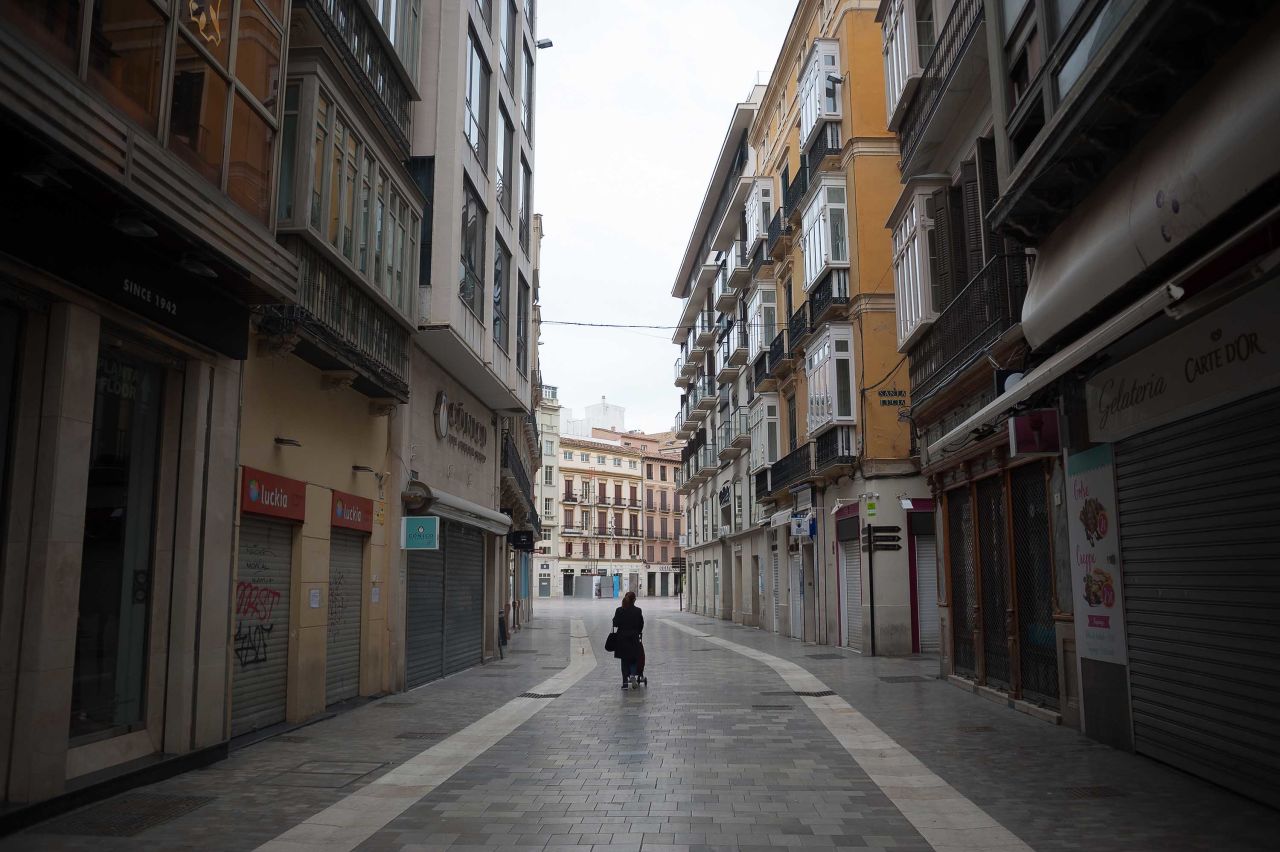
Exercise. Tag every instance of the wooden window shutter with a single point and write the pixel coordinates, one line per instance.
(988, 194)
(940, 242)
(973, 224)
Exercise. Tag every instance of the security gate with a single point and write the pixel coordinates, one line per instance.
(567, 585)
(1033, 583)
(261, 640)
(797, 596)
(927, 594)
(1198, 502)
(463, 597)
(777, 592)
(851, 550)
(993, 558)
(342, 640)
(963, 582)
(544, 587)
(666, 584)
(424, 617)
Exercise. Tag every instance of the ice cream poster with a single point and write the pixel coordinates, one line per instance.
(1095, 556)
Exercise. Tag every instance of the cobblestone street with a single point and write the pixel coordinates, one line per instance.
(719, 752)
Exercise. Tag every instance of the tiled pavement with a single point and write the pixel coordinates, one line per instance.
(716, 754)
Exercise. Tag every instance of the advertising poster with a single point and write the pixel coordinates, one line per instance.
(1095, 556)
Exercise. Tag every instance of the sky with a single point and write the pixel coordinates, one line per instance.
(632, 105)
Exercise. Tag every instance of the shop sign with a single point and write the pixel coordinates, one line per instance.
(263, 493)
(1229, 354)
(422, 533)
(1095, 556)
(521, 540)
(460, 429)
(352, 512)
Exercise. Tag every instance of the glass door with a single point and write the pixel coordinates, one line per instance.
(109, 681)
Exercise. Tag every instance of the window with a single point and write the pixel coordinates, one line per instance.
(829, 370)
(648, 472)
(526, 201)
(501, 295)
(568, 548)
(817, 94)
(649, 553)
(474, 223)
(601, 550)
(662, 526)
(762, 319)
(908, 35)
(548, 508)
(912, 280)
(475, 123)
(366, 211)
(826, 237)
(662, 473)
(509, 16)
(548, 476)
(289, 154)
(522, 328)
(548, 448)
(586, 457)
(663, 551)
(764, 431)
(793, 438)
(526, 96)
(506, 151)
(759, 212)
(662, 501)
(633, 464)
(568, 456)
(600, 459)
(617, 550)
(126, 53)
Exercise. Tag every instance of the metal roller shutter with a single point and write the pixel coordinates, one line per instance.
(963, 583)
(993, 556)
(463, 597)
(1199, 510)
(342, 640)
(852, 553)
(796, 596)
(927, 594)
(777, 592)
(424, 617)
(261, 641)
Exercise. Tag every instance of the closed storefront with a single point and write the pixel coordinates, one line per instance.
(424, 617)
(851, 567)
(342, 640)
(261, 641)
(463, 596)
(795, 594)
(925, 555)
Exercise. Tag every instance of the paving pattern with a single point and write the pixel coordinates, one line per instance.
(717, 753)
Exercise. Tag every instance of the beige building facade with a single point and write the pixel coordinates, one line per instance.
(601, 530)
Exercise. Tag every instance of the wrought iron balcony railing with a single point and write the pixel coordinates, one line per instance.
(957, 33)
(762, 484)
(798, 327)
(796, 466)
(778, 228)
(514, 465)
(988, 306)
(838, 446)
(760, 369)
(797, 189)
(831, 291)
(779, 354)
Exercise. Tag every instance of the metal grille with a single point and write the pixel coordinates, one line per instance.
(262, 607)
(821, 693)
(124, 816)
(1037, 640)
(963, 585)
(993, 556)
(342, 635)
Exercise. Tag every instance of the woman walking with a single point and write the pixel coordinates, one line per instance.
(629, 622)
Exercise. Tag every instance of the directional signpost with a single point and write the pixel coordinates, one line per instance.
(881, 538)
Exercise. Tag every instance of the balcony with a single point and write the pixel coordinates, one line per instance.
(732, 275)
(762, 485)
(763, 380)
(830, 296)
(796, 191)
(779, 236)
(569, 497)
(571, 530)
(706, 398)
(988, 306)
(825, 148)
(550, 392)
(733, 353)
(514, 473)
(781, 358)
(735, 435)
(958, 63)
(705, 330)
(793, 468)
(682, 372)
(761, 263)
(799, 328)
(705, 275)
(835, 450)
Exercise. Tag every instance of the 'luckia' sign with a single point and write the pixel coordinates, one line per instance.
(1095, 556)
(1219, 358)
(263, 493)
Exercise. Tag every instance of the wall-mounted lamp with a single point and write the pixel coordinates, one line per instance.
(361, 468)
(543, 43)
(196, 266)
(834, 80)
(288, 442)
(906, 502)
(132, 226)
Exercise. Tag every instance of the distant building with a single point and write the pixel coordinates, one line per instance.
(602, 415)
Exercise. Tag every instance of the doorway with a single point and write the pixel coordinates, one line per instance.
(652, 590)
(567, 585)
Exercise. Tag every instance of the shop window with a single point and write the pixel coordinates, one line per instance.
(108, 690)
(249, 164)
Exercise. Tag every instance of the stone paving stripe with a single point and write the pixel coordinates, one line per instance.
(346, 824)
(944, 817)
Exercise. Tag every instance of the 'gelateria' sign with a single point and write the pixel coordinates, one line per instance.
(1229, 354)
(460, 429)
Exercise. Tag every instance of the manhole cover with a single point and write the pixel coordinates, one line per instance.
(907, 679)
(421, 735)
(1093, 793)
(822, 693)
(293, 738)
(977, 729)
(124, 816)
(825, 656)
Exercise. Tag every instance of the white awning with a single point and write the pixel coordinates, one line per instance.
(455, 508)
(780, 519)
(1057, 365)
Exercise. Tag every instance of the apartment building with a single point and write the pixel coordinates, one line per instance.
(547, 495)
(1062, 415)
(662, 513)
(601, 510)
(792, 385)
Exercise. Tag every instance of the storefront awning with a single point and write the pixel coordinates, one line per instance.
(780, 519)
(1055, 366)
(433, 501)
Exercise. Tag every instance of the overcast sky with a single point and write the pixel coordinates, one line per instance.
(632, 105)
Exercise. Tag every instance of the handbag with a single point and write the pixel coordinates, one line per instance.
(611, 642)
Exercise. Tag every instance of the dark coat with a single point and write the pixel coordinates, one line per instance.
(630, 622)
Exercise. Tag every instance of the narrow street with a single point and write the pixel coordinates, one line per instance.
(717, 753)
